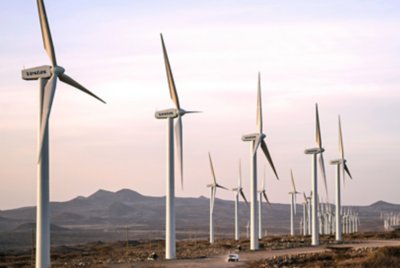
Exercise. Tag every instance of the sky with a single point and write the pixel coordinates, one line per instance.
(342, 55)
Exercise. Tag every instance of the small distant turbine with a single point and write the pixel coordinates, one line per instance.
(293, 204)
(238, 191)
(316, 152)
(341, 166)
(261, 194)
(170, 115)
(213, 187)
(256, 139)
(47, 76)
(305, 215)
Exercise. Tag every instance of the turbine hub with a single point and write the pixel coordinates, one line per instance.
(57, 70)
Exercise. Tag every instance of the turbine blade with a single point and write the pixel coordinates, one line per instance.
(263, 182)
(295, 203)
(293, 184)
(317, 128)
(68, 80)
(171, 82)
(346, 168)
(240, 174)
(244, 197)
(49, 92)
(341, 149)
(259, 106)
(305, 197)
(256, 144)
(212, 168)
(322, 166)
(46, 35)
(266, 198)
(192, 112)
(266, 152)
(179, 145)
(222, 187)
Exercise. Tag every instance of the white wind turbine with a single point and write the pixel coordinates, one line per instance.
(341, 167)
(238, 191)
(293, 204)
(47, 76)
(213, 187)
(261, 194)
(170, 115)
(256, 139)
(314, 202)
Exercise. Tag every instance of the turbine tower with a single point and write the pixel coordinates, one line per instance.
(170, 115)
(238, 191)
(293, 204)
(341, 167)
(314, 202)
(213, 187)
(256, 139)
(47, 76)
(261, 194)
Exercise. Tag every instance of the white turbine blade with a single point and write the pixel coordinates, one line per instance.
(266, 152)
(266, 198)
(293, 184)
(305, 197)
(46, 35)
(171, 82)
(244, 197)
(222, 187)
(341, 149)
(322, 166)
(212, 169)
(179, 145)
(259, 106)
(263, 181)
(346, 168)
(240, 174)
(317, 128)
(68, 80)
(49, 92)
(256, 144)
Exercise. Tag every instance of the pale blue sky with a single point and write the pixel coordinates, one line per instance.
(342, 54)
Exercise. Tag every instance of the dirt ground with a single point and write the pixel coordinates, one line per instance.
(282, 251)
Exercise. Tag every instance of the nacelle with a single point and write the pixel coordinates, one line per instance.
(36, 72)
(169, 113)
(250, 137)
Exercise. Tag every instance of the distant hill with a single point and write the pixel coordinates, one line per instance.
(107, 213)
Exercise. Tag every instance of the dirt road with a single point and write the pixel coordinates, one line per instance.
(219, 261)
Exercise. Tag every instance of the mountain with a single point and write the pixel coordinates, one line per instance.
(104, 214)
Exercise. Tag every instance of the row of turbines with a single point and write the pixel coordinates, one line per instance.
(391, 220)
(48, 75)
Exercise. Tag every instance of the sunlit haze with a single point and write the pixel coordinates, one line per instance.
(343, 55)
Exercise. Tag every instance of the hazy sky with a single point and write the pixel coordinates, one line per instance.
(342, 54)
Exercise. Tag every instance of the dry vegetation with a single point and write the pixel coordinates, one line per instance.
(103, 254)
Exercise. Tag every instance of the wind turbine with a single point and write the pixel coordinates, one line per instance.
(213, 187)
(170, 115)
(314, 202)
(262, 194)
(341, 166)
(239, 191)
(293, 204)
(47, 76)
(256, 139)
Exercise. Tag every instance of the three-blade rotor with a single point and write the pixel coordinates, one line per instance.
(261, 136)
(214, 185)
(345, 168)
(318, 138)
(174, 97)
(57, 72)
